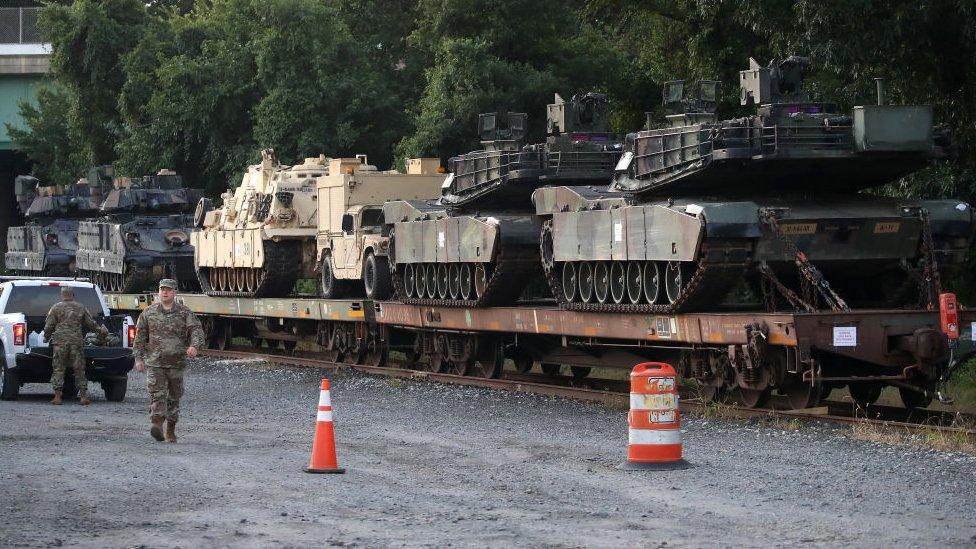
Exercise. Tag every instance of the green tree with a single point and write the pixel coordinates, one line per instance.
(48, 139)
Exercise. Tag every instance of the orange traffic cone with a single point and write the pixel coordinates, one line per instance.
(323, 446)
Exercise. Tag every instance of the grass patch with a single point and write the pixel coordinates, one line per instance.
(917, 437)
(396, 382)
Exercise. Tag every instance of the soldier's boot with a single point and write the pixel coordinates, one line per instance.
(171, 430)
(57, 397)
(157, 428)
(83, 398)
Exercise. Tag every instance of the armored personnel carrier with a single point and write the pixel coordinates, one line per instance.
(262, 238)
(478, 244)
(352, 247)
(46, 245)
(776, 196)
(143, 235)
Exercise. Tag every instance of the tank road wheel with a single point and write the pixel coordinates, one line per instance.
(222, 276)
(465, 281)
(251, 280)
(914, 400)
(241, 279)
(329, 286)
(409, 280)
(481, 275)
(442, 281)
(212, 279)
(754, 398)
(803, 395)
(652, 282)
(420, 280)
(585, 282)
(454, 281)
(601, 281)
(674, 281)
(491, 359)
(618, 281)
(570, 281)
(430, 276)
(635, 282)
(376, 277)
(864, 394)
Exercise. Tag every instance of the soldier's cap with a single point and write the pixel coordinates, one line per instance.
(168, 283)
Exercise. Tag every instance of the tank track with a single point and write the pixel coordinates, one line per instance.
(511, 273)
(281, 273)
(720, 268)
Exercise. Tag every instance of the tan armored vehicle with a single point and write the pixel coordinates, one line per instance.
(262, 239)
(352, 247)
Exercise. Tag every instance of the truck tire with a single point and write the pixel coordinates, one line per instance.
(115, 389)
(376, 277)
(9, 384)
(330, 287)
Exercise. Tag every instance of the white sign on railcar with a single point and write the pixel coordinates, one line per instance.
(845, 336)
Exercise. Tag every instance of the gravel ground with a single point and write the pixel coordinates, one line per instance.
(432, 465)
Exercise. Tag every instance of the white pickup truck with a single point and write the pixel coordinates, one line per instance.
(27, 358)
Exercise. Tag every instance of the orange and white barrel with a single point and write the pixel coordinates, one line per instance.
(654, 421)
(323, 458)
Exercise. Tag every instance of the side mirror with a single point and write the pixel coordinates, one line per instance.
(347, 223)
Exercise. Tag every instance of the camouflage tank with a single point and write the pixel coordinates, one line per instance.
(776, 197)
(262, 239)
(46, 245)
(478, 245)
(143, 235)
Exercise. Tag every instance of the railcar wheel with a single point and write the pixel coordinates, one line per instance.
(454, 281)
(864, 394)
(570, 281)
(585, 282)
(651, 282)
(442, 281)
(490, 361)
(754, 398)
(523, 362)
(459, 367)
(601, 281)
(674, 281)
(713, 393)
(409, 280)
(333, 355)
(480, 279)
(803, 395)
(580, 372)
(465, 281)
(914, 400)
(289, 345)
(374, 354)
(430, 280)
(618, 281)
(550, 369)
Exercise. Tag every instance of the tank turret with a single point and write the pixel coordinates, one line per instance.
(154, 194)
(790, 144)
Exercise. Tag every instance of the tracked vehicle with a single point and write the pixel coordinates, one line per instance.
(477, 245)
(46, 245)
(262, 238)
(143, 235)
(698, 204)
(777, 199)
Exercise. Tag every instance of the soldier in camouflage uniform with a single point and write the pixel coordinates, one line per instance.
(65, 328)
(166, 334)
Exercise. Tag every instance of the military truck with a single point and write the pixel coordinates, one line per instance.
(478, 245)
(352, 247)
(777, 198)
(262, 238)
(143, 235)
(47, 244)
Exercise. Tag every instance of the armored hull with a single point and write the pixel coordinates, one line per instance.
(262, 238)
(478, 245)
(143, 235)
(131, 256)
(776, 199)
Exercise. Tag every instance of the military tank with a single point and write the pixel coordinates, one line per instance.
(777, 197)
(262, 238)
(46, 245)
(477, 245)
(142, 236)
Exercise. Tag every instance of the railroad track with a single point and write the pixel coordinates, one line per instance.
(616, 393)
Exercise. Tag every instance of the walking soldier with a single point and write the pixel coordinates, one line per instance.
(65, 328)
(167, 333)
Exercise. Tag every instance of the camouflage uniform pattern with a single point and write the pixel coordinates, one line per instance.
(162, 338)
(64, 330)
